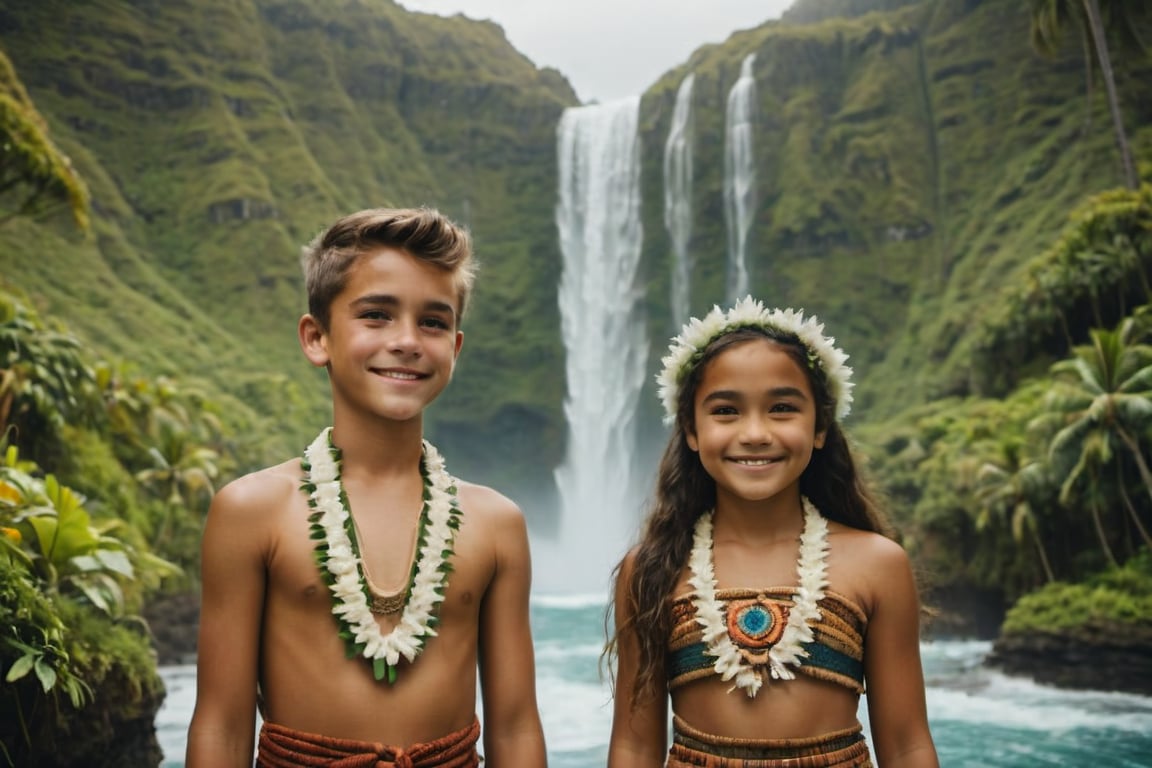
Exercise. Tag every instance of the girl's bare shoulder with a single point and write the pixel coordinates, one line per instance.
(863, 544)
(865, 564)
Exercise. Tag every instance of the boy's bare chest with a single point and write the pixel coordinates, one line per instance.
(388, 553)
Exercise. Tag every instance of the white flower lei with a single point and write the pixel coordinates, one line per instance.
(811, 570)
(338, 555)
(685, 349)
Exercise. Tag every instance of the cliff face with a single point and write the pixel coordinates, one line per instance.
(908, 161)
(219, 136)
(907, 164)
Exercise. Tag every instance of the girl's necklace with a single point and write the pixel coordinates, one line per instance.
(338, 555)
(760, 617)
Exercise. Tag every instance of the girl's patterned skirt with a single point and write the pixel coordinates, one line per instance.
(695, 749)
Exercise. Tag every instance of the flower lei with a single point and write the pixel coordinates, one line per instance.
(685, 351)
(811, 570)
(338, 555)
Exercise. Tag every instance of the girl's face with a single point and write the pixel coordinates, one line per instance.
(755, 423)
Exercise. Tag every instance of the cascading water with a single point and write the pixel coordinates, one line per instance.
(678, 198)
(739, 176)
(598, 218)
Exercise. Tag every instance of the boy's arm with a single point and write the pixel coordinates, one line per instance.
(513, 736)
(232, 592)
(896, 708)
(639, 733)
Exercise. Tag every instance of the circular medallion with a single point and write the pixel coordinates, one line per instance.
(756, 623)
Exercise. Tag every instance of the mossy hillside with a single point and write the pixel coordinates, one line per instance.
(901, 180)
(34, 176)
(818, 237)
(223, 146)
(812, 11)
(905, 175)
(1046, 157)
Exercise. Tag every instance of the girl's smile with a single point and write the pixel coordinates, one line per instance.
(755, 422)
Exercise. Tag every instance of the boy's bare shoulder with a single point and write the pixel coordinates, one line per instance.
(270, 486)
(485, 502)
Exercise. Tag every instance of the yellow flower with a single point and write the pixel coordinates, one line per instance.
(11, 534)
(9, 493)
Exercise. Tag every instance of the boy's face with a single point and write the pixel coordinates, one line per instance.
(393, 337)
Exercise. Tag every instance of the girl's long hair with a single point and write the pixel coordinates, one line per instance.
(684, 491)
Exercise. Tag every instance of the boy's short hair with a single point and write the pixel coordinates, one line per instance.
(425, 233)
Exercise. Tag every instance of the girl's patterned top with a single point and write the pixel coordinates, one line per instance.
(755, 621)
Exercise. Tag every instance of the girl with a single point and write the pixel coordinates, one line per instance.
(764, 594)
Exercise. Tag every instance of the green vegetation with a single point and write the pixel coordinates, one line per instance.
(906, 177)
(34, 176)
(1096, 607)
(70, 586)
(1093, 274)
(929, 186)
(1050, 482)
(1049, 20)
(100, 470)
(217, 137)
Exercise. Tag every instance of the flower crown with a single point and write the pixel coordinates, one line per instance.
(686, 349)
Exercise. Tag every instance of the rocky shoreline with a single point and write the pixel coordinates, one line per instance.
(173, 621)
(1117, 658)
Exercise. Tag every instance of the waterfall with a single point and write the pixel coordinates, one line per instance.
(598, 218)
(678, 198)
(739, 176)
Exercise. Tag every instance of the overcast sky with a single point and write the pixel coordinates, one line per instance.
(609, 49)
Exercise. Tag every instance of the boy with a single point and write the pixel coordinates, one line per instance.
(351, 594)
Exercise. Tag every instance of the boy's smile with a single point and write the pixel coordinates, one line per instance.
(392, 339)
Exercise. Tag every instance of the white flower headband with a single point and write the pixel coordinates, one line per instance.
(686, 349)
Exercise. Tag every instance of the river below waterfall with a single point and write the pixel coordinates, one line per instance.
(979, 717)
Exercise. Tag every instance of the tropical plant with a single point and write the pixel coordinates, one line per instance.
(1008, 488)
(1101, 401)
(44, 380)
(182, 470)
(33, 642)
(55, 538)
(53, 555)
(1049, 20)
(1096, 269)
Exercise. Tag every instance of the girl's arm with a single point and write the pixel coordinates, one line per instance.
(513, 736)
(896, 708)
(639, 733)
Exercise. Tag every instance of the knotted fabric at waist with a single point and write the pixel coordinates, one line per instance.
(282, 747)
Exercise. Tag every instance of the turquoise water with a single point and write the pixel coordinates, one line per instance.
(979, 718)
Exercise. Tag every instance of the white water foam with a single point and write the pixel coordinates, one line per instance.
(570, 601)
